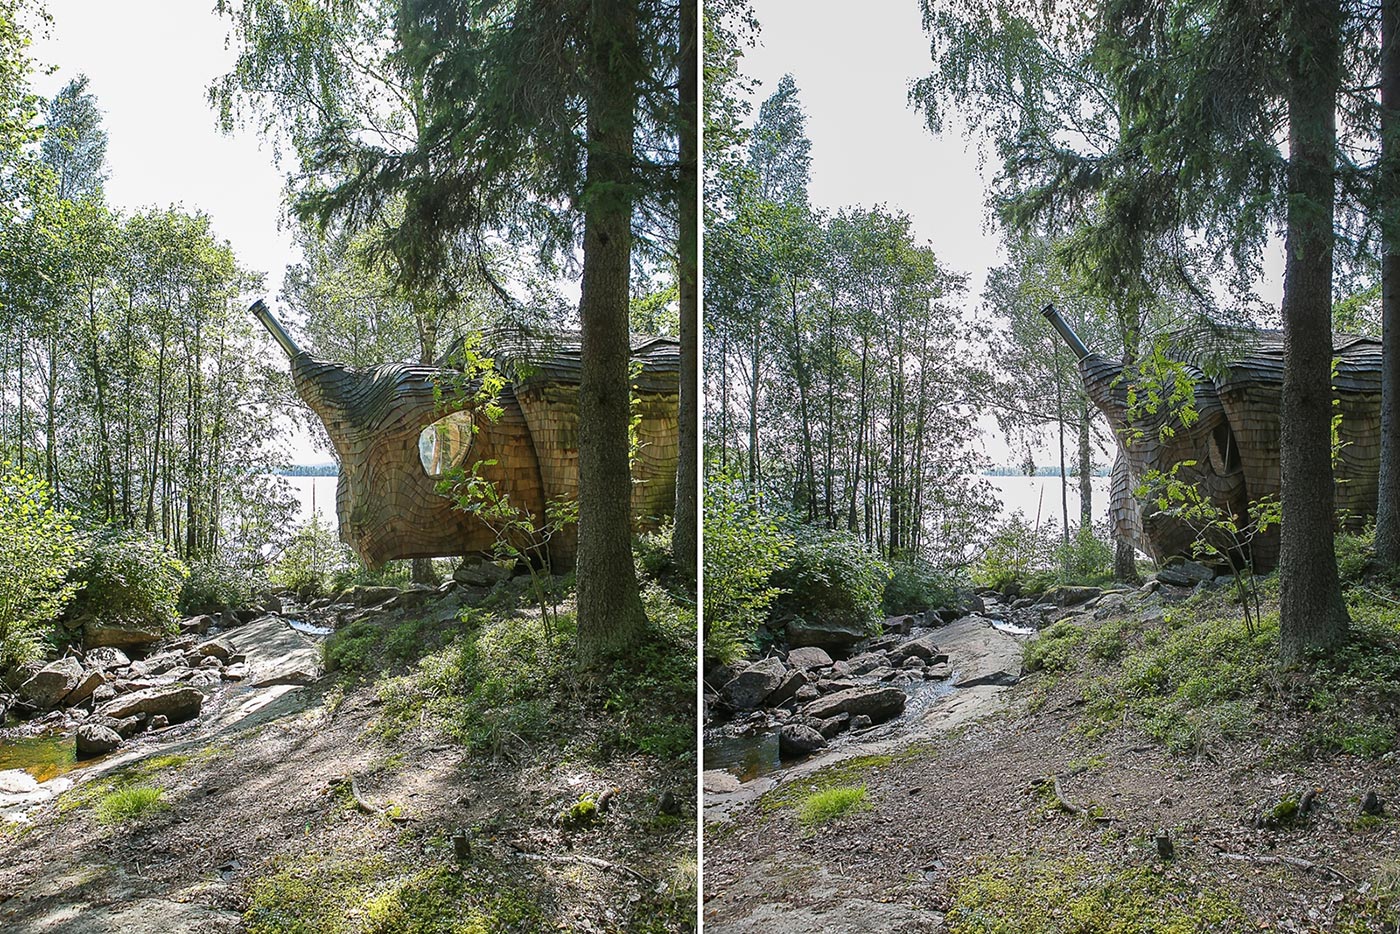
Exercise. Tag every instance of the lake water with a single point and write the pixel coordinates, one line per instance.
(1041, 496)
(318, 490)
(1031, 495)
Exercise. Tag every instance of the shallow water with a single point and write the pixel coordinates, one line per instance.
(308, 629)
(45, 756)
(750, 755)
(1011, 629)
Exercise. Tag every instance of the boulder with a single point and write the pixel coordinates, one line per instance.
(860, 722)
(877, 703)
(786, 689)
(925, 647)
(807, 692)
(91, 680)
(121, 634)
(899, 624)
(159, 722)
(825, 634)
(177, 702)
(236, 672)
(106, 658)
(215, 648)
(798, 739)
(750, 687)
(480, 573)
(808, 657)
(196, 625)
(94, 739)
(157, 664)
(866, 663)
(1186, 574)
(1064, 595)
(50, 684)
(832, 726)
(103, 693)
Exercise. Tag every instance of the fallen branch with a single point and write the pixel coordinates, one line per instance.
(1052, 783)
(593, 861)
(1305, 865)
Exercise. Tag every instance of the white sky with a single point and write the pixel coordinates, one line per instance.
(853, 66)
(150, 63)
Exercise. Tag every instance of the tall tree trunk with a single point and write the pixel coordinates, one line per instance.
(685, 538)
(1086, 472)
(1388, 503)
(421, 570)
(809, 464)
(1312, 615)
(610, 615)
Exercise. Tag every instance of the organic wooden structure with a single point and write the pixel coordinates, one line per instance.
(398, 428)
(1234, 442)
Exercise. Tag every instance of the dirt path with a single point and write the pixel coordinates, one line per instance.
(284, 791)
(966, 794)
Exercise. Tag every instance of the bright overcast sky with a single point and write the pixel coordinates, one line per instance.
(150, 64)
(853, 67)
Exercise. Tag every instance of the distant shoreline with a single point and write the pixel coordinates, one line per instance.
(1015, 471)
(310, 470)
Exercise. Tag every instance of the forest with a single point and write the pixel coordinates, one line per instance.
(1180, 718)
(174, 618)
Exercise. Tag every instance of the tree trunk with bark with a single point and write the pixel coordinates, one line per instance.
(610, 615)
(1312, 615)
(685, 538)
(1388, 501)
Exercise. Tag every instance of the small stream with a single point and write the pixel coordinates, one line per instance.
(44, 755)
(49, 754)
(751, 754)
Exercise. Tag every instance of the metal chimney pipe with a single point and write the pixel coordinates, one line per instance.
(274, 327)
(1071, 339)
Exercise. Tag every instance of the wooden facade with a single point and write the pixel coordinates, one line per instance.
(386, 498)
(1235, 441)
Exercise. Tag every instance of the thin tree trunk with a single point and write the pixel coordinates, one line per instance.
(610, 615)
(1086, 472)
(1312, 615)
(1388, 502)
(685, 538)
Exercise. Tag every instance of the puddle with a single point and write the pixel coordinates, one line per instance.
(753, 754)
(745, 756)
(310, 629)
(1011, 629)
(45, 756)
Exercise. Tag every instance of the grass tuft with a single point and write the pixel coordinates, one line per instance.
(129, 805)
(823, 807)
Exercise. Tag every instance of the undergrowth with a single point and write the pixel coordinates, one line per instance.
(1026, 896)
(1197, 675)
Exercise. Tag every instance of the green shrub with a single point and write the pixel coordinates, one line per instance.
(913, 587)
(1354, 553)
(1086, 559)
(214, 585)
(744, 547)
(1018, 554)
(833, 578)
(1054, 649)
(38, 550)
(131, 579)
(823, 807)
(314, 554)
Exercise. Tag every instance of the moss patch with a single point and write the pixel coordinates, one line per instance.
(1025, 896)
(315, 895)
(847, 772)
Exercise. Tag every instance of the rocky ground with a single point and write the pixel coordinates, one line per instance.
(1018, 807)
(281, 805)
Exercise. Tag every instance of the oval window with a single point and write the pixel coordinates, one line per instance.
(443, 445)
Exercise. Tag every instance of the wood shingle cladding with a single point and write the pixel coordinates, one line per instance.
(387, 503)
(1234, 443)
